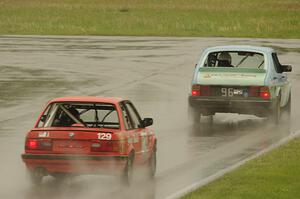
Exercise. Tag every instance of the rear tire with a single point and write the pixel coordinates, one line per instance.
(152, 165)
(127, 176)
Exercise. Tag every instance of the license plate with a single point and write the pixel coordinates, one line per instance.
(70, 146)
(231, 92)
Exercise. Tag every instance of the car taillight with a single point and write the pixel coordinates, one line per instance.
(254, 91)
(104, 146)
(200, 90)
(38, 144)
(259, 91)
(32, 144)
(264, 92)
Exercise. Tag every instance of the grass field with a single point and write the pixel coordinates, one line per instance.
(225, 18)
(275, 175)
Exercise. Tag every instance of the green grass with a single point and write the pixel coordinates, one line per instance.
(275, 175)
(227, 18)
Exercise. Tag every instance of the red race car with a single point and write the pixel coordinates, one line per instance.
(89, 135)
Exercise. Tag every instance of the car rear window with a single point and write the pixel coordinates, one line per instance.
(71, 114)
(238, 59)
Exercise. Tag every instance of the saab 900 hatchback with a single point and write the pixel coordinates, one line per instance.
(89, 135)
(240, 79)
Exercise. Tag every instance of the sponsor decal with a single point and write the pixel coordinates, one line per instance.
(207, 76)
(237, 92)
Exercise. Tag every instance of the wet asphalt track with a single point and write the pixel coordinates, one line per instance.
(155, 74)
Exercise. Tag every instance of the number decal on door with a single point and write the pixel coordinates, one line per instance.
(104, 136)
(227, 92)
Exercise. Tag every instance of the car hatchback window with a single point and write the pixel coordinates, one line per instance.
(237, 59)
(91, 115)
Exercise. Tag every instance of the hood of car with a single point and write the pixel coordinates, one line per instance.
(231, 76)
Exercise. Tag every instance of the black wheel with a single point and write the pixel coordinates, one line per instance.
(128, 172)
(152, 165)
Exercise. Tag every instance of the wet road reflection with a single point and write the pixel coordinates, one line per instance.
(155, 74)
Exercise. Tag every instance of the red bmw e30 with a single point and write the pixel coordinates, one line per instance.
(89, 135)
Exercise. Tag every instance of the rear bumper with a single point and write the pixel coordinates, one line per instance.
(213, 105)
(76, 164)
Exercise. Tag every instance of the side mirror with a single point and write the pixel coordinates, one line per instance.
(286, 68)
(147, 122)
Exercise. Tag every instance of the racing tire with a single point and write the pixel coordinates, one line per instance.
(276, 112)
(152, 165)
(127, 176)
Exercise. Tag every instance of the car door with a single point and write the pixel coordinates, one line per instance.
(139, 133)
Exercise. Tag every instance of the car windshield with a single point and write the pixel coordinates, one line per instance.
(69, 114)
(237, 59)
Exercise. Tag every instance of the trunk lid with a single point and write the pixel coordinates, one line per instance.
(73, 141)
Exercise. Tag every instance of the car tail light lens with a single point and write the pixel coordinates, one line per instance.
(200, 90)
(259, 91)
(38, 144)
(254, 91)
(32, 144)
(264, 92)
(104, 146)
(196, 90)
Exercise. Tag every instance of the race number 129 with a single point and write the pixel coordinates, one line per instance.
(104, 136)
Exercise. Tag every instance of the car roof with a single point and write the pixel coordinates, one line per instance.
(113, 100)
(240, 48)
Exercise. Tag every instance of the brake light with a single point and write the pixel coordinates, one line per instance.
(264, 92)
(38, 144)
(259, 91)
(32, 144)
(200, 90)
(103, 146)
(196, 90)
(195, 93)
